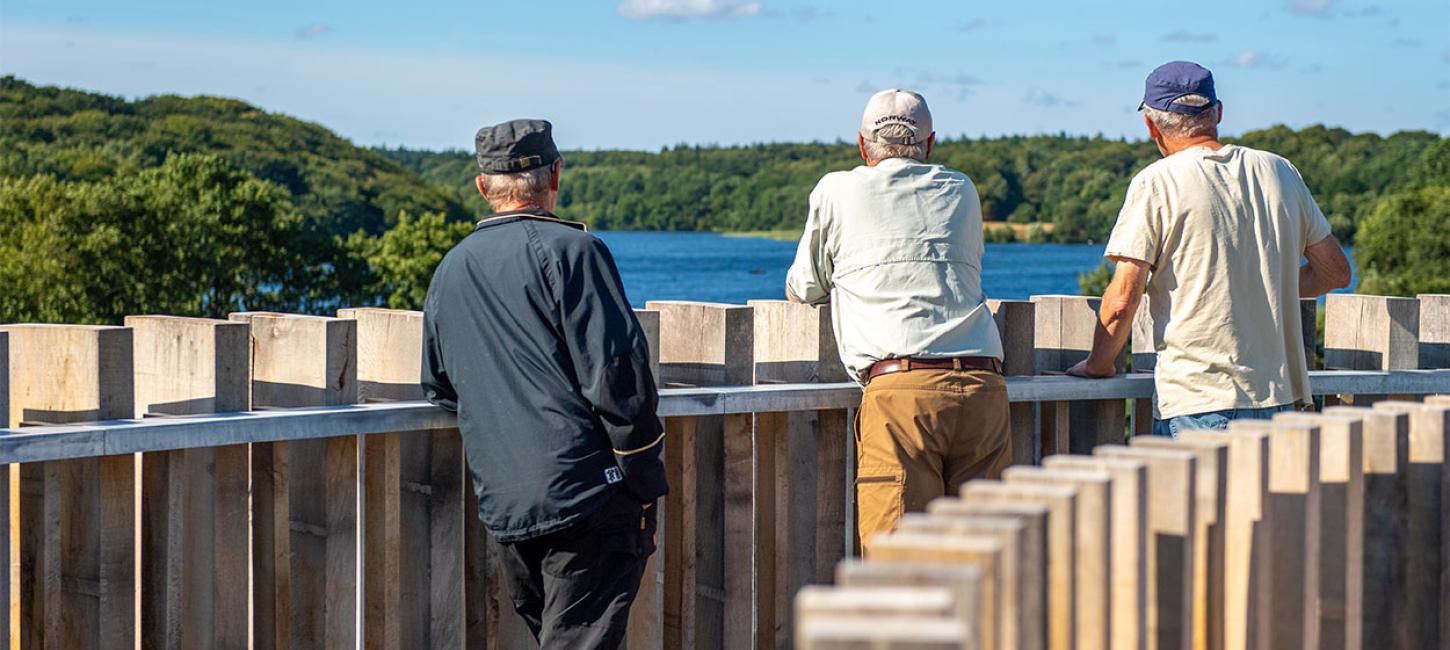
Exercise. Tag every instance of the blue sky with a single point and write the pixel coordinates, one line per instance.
(649, 73)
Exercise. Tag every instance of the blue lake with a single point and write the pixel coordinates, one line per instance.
(715, 268)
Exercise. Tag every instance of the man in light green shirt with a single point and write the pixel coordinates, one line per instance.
(1221, 229)
(896, 246)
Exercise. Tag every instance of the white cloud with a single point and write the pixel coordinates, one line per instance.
(1252, 59)
(1046, 99)
(313, 31)
(687, 9)
(970, 25)
(1185, 36)
(1310, 7)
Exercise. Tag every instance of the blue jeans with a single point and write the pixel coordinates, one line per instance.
(1215, 419)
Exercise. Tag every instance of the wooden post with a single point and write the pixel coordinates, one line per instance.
(875, 602)
(795, 343)
(1425, 544)
(1171, 542)
(1386, 439)
(1292, 518)
(893, 633)
(1091, 536)
(1210, 493)
(194, 503)
(305, 523)
(1127, 542)
(77, 518)
(1061, 502)
(1370, 333)
(1341, 487)
(963, 580)
(1144, 358)
(1032, 631)
(1022, 564)
(1309, 320)
(1064, 336)
(983, 552)
(10, 537)
(646, 616)
(711, 519)
(1434, 330)
(413, 505)
(1016, 323)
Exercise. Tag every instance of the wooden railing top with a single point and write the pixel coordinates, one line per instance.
(43, 443)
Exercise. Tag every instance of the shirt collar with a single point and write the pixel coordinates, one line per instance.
(532, 215)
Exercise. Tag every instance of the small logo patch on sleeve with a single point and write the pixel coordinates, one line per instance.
(612, 475)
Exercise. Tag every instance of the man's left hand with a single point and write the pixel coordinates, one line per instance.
(1087, 370)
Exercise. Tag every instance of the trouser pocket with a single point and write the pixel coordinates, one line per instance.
(880, 501)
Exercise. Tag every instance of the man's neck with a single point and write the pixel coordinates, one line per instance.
(1209, 141)
(518, 207)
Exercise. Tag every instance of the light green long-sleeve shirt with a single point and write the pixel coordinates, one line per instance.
(897, 249)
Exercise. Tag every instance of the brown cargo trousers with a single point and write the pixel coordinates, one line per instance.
(920, 434)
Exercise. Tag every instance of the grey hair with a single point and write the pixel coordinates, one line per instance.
(1178, 125)
(878, 151)
(530, 186)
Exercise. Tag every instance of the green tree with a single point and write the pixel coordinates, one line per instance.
(1095, 282)
(1403, 247)
(195, 236)
(400, 262)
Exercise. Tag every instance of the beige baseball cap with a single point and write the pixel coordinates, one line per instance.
(897, 106)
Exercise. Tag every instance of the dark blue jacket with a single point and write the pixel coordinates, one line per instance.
(528, 336)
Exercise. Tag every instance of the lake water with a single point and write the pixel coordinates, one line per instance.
(715, 268)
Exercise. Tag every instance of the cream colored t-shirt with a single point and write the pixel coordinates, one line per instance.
(1225, 232)
(897, 248)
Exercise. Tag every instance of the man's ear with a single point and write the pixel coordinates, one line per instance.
(1220, 113)
(930, 144)
(861, 145)
(478, 182)
(556, 170)
(1152, 128)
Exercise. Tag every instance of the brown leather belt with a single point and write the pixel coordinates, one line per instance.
(889, 366)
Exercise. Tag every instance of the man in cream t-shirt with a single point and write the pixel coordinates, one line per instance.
(1221, 229)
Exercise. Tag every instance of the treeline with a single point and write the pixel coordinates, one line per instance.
(1075, 183)
(202, 206)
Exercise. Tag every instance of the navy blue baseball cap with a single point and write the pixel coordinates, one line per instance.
(1177, 79)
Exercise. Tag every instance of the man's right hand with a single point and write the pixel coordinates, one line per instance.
(1086, 370)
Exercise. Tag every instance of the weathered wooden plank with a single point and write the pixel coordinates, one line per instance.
(1091, 537)
(1292, 518)
(1127, 542)
(1061, 502)
(1064, 336)
(76, 519)
(190, 558)
(1426, 537)
(1341, 546)
(1171, 542)
(410, 598)
(964, 581)
(927, 604)
(1370, 333)
(795, 343)
(710, 510)
(981, 551)
(1032, 631)
(1386, 438)
(1434, 330)
(1016, 323)
(307, 531)
(1210, 492)
(646, 616)
(1022, 564)
(895, 633)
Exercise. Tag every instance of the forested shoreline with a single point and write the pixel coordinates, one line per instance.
(205, 205)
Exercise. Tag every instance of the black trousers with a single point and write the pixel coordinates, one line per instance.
(574, 587)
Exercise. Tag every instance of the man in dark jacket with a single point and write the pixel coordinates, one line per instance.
(528, 336)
